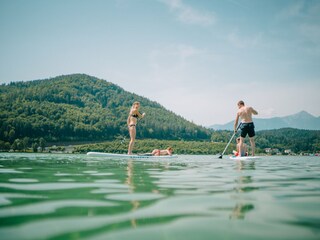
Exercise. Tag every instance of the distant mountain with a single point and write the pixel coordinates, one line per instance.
(301, 120)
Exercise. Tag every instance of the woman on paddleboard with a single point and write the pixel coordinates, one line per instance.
(134, 114)
(243, 150)
(159, 152)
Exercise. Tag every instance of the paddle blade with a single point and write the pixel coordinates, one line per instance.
(220, 156)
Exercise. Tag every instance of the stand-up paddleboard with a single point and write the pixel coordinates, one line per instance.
(245, 158)
(126, 156)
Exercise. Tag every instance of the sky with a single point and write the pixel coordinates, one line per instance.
(197, 58)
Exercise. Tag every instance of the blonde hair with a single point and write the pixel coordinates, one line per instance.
(133, 104)
(136, 103)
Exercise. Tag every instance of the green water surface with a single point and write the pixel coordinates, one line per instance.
(51, 196)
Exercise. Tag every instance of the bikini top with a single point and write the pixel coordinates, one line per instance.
(135, 115)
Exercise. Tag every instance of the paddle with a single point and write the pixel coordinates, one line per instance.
(121, 142)
(230, 141)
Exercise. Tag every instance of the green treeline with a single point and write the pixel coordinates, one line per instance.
(80, 108)
(147, 145)
(297, 140)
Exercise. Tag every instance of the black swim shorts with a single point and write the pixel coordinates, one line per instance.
(247, 128)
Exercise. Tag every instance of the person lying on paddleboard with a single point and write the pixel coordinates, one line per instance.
(132, 120)
(159, 152)
(244, 150)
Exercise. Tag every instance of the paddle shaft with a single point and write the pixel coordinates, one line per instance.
(230, 141)
(121, 142)
(124, 138)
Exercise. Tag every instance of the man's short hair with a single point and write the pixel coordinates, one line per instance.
(241, 102)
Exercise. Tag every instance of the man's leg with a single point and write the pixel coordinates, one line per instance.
(253, 145)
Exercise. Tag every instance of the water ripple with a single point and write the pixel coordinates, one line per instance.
(23, 180)
(59, 186)
(8, 170)
(4, 197)
(134, 196)
(50, 207)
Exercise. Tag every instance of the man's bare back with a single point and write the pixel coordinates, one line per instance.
(245, 113)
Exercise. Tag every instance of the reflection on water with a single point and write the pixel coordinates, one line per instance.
(243, 185)
(45, 196)
(245, 165)
(240, 210)
(130, 182)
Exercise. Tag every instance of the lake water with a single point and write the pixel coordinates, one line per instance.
(51, 196)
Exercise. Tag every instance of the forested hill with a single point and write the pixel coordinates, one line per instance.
(79, 107)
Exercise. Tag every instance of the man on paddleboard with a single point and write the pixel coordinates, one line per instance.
(247, 126)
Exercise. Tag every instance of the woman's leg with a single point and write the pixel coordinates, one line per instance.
(155, 152)
(132, 133)
(240, 152)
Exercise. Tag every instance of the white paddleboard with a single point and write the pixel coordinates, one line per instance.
(126, 156)
(245, 158)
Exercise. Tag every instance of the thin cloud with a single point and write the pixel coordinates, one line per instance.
(267, 112)
(292, 11)
(236, 40)
(304, 23)
(173, 56)
(188, 14)
(303, 11)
